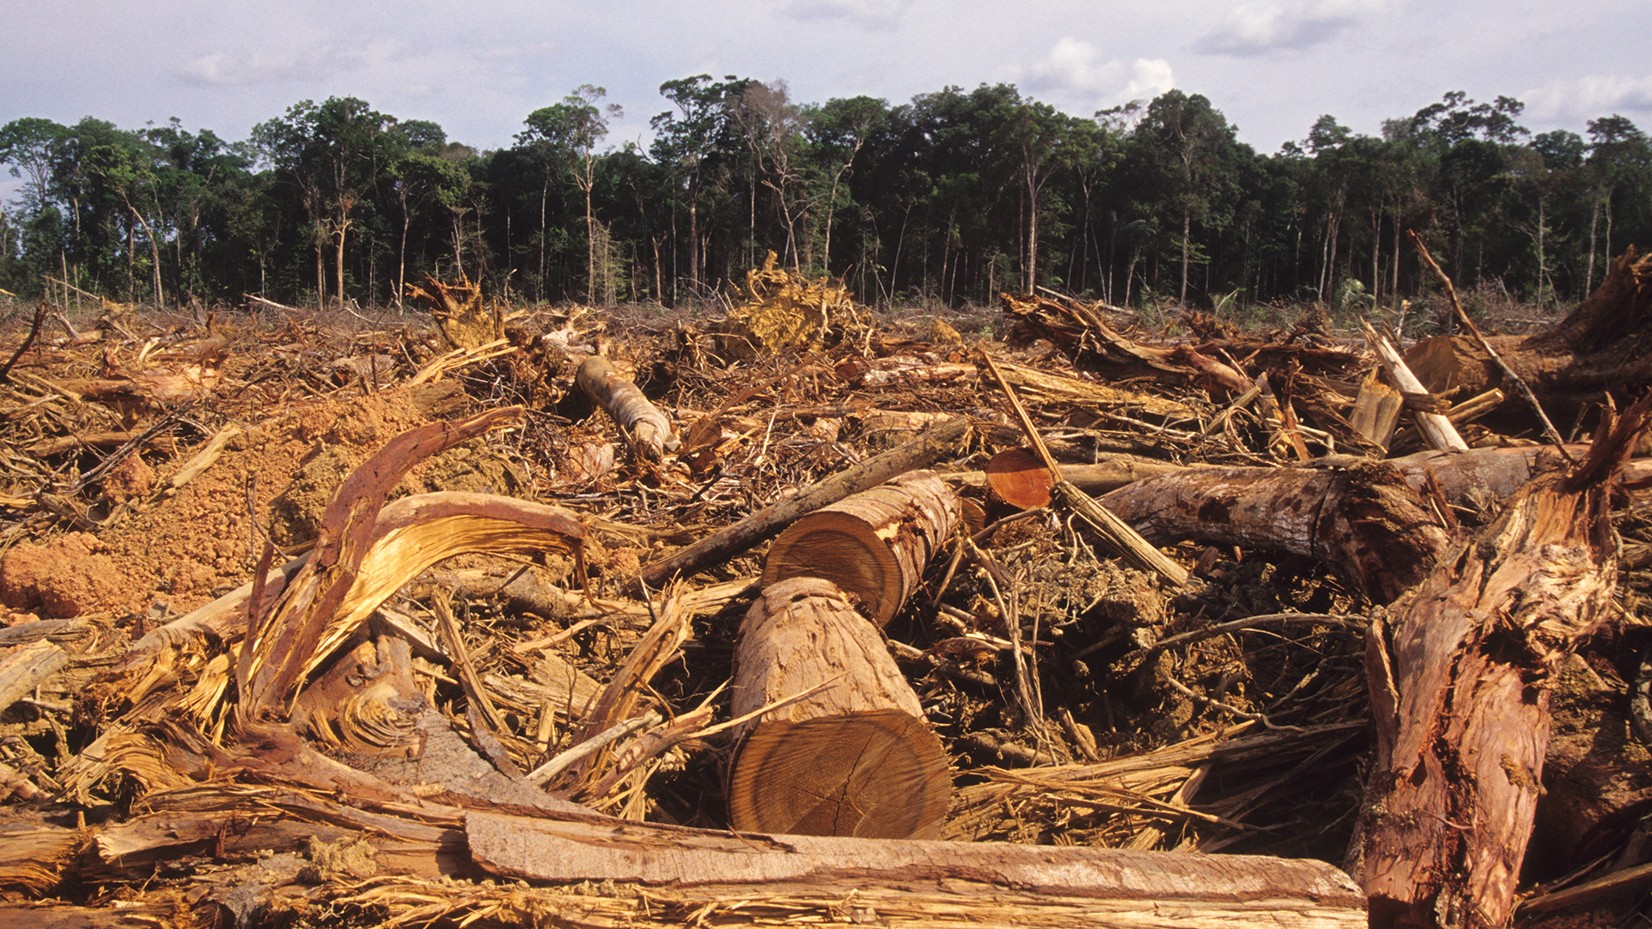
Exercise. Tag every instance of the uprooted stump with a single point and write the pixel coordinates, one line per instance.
(1603, 346)
(841, 746)
(465, 320)
(783, 311)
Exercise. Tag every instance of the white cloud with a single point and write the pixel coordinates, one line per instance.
(1075, 72)
(1574, 102)
(1272, 25)
(265, 66)
(864, 12)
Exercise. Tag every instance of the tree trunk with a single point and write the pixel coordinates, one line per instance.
(154, 253)
(1460, 677)
(320, 264)
(874, 544)
(590, 235)
(401, 261)
(1187, 233)
(848, 752)
(923, 449)
(544, 194)
(644, 425)
(1364, 520)
(1032, 236)
(342, 229)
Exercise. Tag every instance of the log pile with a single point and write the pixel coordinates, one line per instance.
(1090, 626)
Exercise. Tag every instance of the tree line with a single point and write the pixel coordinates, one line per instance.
(950, 198)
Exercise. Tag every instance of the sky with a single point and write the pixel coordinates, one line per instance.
(479, 67)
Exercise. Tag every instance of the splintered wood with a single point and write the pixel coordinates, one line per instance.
(306, 625)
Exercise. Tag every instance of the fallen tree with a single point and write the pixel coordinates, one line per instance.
(1461, 671)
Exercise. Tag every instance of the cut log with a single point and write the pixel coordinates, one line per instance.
(1018, 477)
(846, 751)
(873, 544)
(1460, 680)
(921, 883)
(1363, 519)
(923, 450)
(645, 426)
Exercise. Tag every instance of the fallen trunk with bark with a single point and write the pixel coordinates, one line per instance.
(836, 742)
(1603, 347)
(642, 423)
(1461, 673)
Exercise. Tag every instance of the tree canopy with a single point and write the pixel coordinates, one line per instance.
(952, 197)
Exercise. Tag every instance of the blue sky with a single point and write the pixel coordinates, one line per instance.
(479, 68)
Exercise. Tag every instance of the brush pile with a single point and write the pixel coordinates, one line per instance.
(575, 619)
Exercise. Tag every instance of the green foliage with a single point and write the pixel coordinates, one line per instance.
(944, 199)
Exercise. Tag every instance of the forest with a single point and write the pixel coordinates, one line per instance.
(949, 199)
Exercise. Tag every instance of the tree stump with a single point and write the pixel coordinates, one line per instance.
(874, 544)
(851, 753)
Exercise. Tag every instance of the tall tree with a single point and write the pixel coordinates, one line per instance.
(696, 143)
(331, 154)
(1191, 148)
(837, 131)
(564, 137)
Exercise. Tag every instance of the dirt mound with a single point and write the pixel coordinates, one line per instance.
(171, 553)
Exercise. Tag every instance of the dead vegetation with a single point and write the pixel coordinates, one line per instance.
(512, 620)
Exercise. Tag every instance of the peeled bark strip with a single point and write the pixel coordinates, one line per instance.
(648, 429)
(873, 544)
(923, 883)
(1363, 519)
(1377, 410)
(850, 754)
(291, 633)
(1460, 681)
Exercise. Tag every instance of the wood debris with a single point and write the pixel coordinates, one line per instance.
(307, 622)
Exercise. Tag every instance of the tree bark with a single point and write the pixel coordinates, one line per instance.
(1460, 679)
(1363, 519)
(873, 544)
(841, 746)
